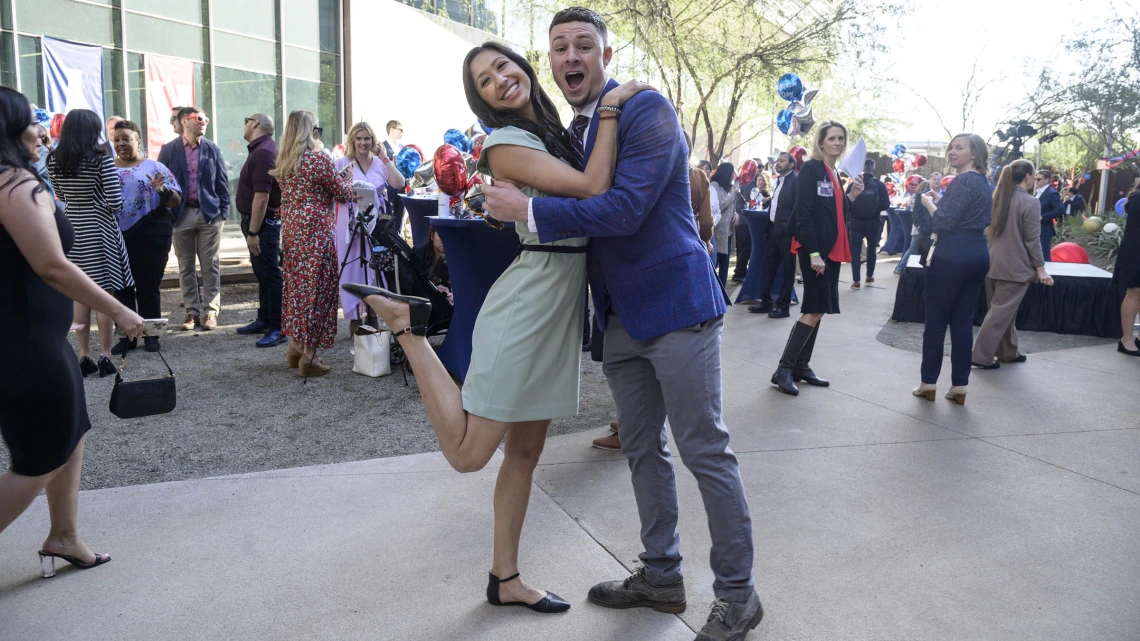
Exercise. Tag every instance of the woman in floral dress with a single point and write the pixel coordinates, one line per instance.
(310, 189)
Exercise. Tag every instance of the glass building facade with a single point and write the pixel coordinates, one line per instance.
(249, 56)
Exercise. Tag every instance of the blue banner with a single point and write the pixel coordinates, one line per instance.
(73, 76)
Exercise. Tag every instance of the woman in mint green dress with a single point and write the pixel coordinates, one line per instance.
(527, 338)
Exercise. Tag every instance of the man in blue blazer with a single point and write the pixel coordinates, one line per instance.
(201, 172)
(661, 308)
(1052, 209)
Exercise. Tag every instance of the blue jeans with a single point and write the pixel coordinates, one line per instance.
(859, 230)
(955, 279)
(267, 269)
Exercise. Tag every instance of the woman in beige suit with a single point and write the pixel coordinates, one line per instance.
(1016, 260)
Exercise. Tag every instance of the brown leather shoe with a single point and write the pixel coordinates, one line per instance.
(609, 442)
(312, 367)
(613, 426)
(211, 321)
(190, 323)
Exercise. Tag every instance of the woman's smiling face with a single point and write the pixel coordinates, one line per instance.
(502, 84)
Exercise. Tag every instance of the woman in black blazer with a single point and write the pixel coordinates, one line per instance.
(821, 244)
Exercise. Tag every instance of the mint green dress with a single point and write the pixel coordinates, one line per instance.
(527, 341)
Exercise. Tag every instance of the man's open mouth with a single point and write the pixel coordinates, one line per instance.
(574, 79)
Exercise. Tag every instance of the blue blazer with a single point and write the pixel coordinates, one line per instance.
(213, 184)
(1051, 208)
(645, 258)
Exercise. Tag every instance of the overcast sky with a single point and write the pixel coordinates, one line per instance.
(938, 42)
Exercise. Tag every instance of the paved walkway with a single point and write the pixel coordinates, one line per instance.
(877, 516)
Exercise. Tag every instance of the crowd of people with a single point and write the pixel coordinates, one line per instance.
(614, 211)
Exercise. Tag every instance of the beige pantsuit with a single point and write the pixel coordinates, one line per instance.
(998, 336)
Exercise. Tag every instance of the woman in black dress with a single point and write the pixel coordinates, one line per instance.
(43, 412)
(1127, 275)
(821, 243)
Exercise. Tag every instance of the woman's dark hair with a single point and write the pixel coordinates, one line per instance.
(15, 117)
(723, 175)
(78, 141)
(549, 127)
(127, 124)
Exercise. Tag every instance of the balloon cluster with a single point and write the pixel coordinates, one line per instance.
(408, 160)
(797, 118)
(456, 139)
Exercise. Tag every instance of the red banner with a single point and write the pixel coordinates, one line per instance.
(169, 84)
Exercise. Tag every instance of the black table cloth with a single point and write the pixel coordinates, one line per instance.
(758, 226)
(419, 210)
(898, 234)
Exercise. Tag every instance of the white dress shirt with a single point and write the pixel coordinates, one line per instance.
(775, 198)
(587, 111)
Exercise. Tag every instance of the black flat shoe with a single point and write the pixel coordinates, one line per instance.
(49, 572)
(805, 374)
(150, 343)
(549, 604)
(993, 365)
(1124, 350)
(87, 366)
(1020, 359)
(123, 346)
(106, 367)
(418, 308)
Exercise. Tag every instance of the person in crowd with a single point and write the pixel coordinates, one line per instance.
(864, 223)
(531, 315)
(310, 187)
(111, 122)
(395, 132)
(742, 233)
(84, 177)
(369, 163)
(149, 191)
(258, 201)
(43, 409)
(722, 230)
(1126, 275)
(1015, 261)
(957, 270)
(706, 167)
(392, 146)
(778, 243)
(821, 243)
(1052, 210)
(701, 202)
(762, 185)
(43, 150)
(1073, 201)
(921, 224)
(175, 121)
(433, 258)
(198, 166)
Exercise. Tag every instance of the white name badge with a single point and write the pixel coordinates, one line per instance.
(824, 188)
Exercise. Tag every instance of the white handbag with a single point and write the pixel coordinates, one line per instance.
(372, 352)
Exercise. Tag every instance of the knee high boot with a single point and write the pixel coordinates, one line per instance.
(799, 336)
(802, 370)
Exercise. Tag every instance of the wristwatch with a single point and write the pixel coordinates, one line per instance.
(253, 233)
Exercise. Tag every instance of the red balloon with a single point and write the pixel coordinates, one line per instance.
(477, 145)
(898, 165)
(450, 172)
(56, 126)
(890, 189)
(1069, 253)
(800, 154)
(747, 172)
(920, 160)
(912, 183)
(946, 182)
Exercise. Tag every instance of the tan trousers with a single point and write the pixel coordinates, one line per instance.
(196, 238)
(998, 336)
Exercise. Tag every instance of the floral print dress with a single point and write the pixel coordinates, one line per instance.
(308, 249)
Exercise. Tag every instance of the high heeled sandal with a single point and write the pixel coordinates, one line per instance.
(49, 572)
(293, 357)
(957, 394)
(549, 604)
(419, 309)
(922, 391)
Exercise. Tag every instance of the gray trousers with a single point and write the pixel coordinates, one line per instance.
(194, 237)
(998, 335)
(678, 376)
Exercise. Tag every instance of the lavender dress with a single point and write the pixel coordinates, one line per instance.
(355, 271)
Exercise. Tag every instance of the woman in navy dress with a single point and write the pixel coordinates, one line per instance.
(43, 412)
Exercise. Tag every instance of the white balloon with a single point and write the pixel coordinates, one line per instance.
(1111, 228)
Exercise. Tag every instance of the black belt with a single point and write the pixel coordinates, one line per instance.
(193, 204)
(551, 249)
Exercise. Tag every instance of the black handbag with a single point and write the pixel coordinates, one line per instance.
(135, 399)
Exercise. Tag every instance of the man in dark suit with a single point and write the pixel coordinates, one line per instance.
(778, 243)
(864, 222)
(1051, 209)
(1074, 203)
(662, 309)
(395, 132)
(198, 165)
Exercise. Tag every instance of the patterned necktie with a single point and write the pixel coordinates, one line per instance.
(578, 138)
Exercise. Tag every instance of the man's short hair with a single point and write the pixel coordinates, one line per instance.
(393, 124)
(703, 164)
(265, 122)
(1046, 173)
(186, 112)
(582, 14)
(869, 166)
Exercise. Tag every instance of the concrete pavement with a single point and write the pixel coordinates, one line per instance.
(876, 516)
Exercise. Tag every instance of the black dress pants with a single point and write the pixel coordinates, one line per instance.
(778, 252)
(860, 230)
(743, 250)
(148, 249)
(267, 269)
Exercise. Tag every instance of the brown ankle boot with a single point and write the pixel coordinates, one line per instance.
(292, 357)
(312, 367)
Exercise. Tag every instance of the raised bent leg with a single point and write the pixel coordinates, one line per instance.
(512, 495)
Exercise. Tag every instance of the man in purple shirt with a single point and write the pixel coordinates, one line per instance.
(258, 197)
(198, 165)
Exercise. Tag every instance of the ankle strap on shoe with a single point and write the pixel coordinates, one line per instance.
(509, 578)
(410, 330)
